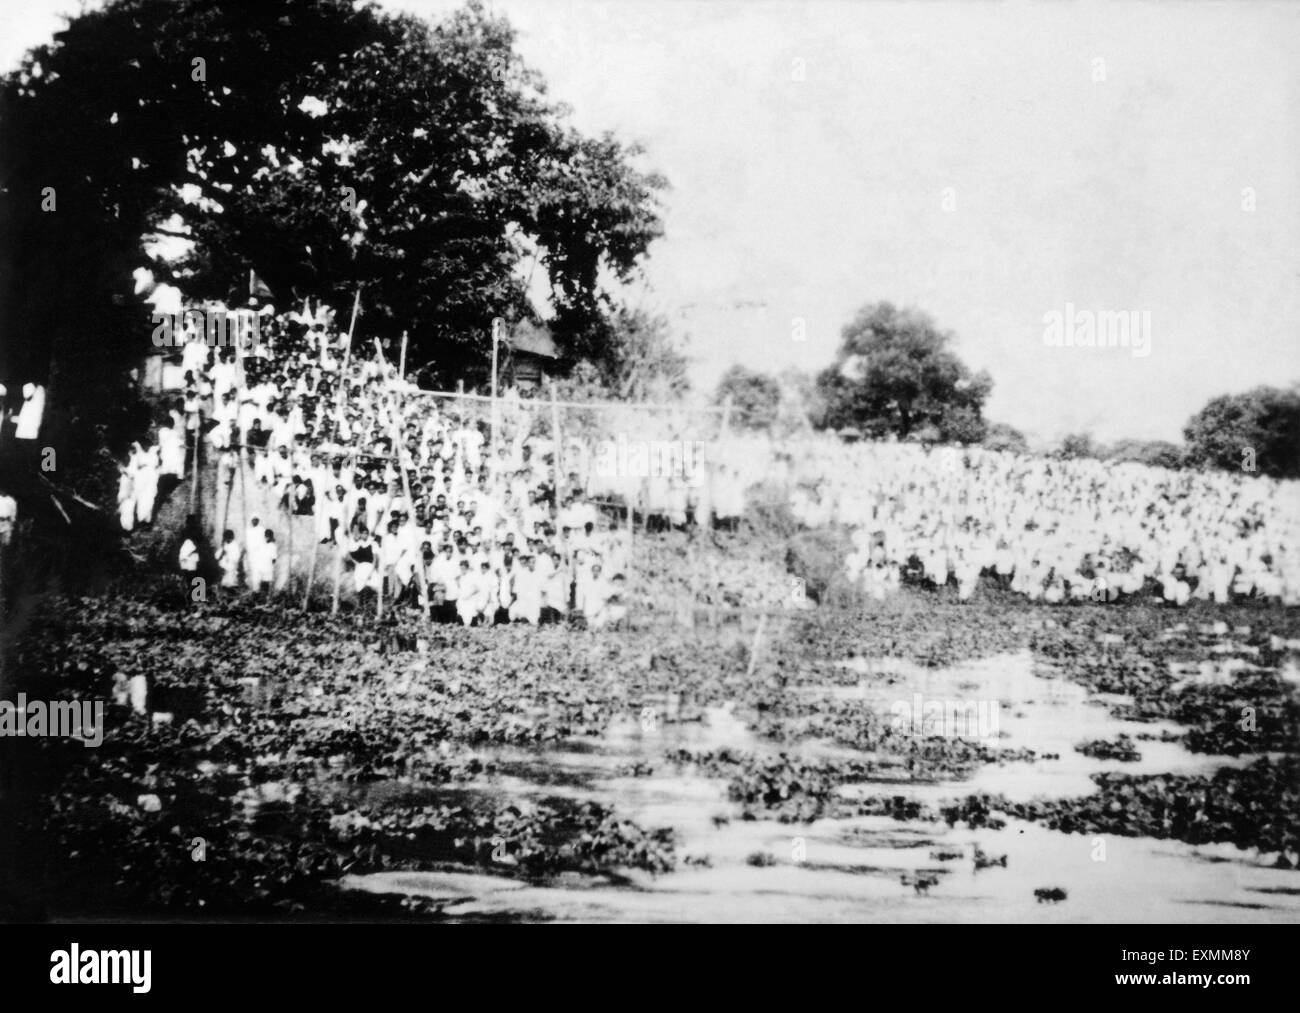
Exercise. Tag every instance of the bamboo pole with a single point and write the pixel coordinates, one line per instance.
(338, 409)
(724, 433)
(753, 650)
(397, 423)
(243, 506)
(347, 355)
(558, 461)
(340, 542)
(338, 568)
(230, 489)
(695, 575)
(401, 369)
(288, 574)
(496, 341)
(194, 466)
(631, 520)
(311, 571)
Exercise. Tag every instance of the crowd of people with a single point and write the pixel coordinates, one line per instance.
(431, 506)
(1052, 530)
(474, 529)
(24, 421)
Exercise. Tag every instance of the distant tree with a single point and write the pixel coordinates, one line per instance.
(1076, 445)
(1260, 428)
(1157, 453)
(1001, 436)
(962, 424)
(895, 373)
(755, 397)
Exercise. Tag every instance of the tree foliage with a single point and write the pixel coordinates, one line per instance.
(895, 372)
(322, 143)
(1000, 436)
(1260, 427)
(1077, 445)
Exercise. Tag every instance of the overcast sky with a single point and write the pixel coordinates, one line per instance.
(988, 163)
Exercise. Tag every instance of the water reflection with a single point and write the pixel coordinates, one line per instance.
(868, 868)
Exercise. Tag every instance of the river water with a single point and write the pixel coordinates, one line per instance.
(862, 869)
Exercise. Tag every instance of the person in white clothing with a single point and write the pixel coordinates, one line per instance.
(262, 559)
(8, 518)
(594, 596)
(228, 560)
(527, 606)
(364, 555)
(28, 422)
(189, 557)
(145, 484)
(443, 574)
(503, 594)
(556, 591)
(611, 608)
(474, 595)
(395, 561)
(171, 447)
(126, 497)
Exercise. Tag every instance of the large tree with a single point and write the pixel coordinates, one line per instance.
(895, 372)
(323, 143)
(1255, 431)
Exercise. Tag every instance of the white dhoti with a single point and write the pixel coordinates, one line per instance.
(469, 607)
(146, 492)
(229, 563)
(527, 607)
(171, 446)
(126, 502)
(263, 471)
(365, 575)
